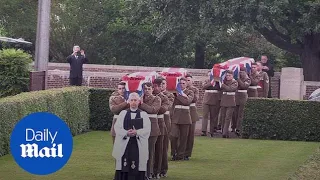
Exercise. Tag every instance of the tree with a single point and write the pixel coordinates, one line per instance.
(292, 25)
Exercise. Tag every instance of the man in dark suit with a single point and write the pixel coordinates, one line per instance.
(76, 61)
(268, 68)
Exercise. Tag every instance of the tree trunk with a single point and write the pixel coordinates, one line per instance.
(199, 56)
(310, 57)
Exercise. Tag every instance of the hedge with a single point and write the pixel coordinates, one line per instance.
(100, 114)
(282, 120)
(71, 104)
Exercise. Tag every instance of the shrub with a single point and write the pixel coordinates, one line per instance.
(14, 72)
(282, 120)
(71, 104)
(100, 115)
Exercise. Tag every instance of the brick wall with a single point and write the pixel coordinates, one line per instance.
(309, 87)
(107, 76)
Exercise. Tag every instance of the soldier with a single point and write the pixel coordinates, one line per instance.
(263, 85)
(117, 103)
(181, 121)
(167, 120)
(194, 117)
(163, 129)
(211, 106)
(241, 99)
(228, 101)
(151, 104)
(255, 78)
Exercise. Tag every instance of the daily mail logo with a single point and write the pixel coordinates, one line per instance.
(41, 143)
(32, 150)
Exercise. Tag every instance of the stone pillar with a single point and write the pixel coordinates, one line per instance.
(37, 80)
(291, 83)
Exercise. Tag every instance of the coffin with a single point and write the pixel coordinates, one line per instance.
(172, 76)
(135, 80)
(231, 64)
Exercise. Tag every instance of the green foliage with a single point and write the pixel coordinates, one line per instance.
(100, 114)
(14, 72)
(70, 104)
(282, 120)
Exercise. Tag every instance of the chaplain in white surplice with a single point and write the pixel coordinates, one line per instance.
(130, 149)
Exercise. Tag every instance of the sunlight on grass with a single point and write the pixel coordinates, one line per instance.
(212, 159)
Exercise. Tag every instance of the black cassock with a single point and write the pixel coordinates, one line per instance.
(130, 158)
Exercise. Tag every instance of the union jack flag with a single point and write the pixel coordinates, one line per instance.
(135, 81)
(232, 64)
(178, 87)
(236, 69)
(173, 76)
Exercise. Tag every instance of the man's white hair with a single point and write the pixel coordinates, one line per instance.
(74, 47)
(134, 95)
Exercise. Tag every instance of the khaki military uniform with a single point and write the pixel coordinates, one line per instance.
(151, 104)
(165, 103)
(228, 103)
(253, 88)
(241, 99)
(211, 106)
(117, 103)
(181, 121)
(167, 120)
(194, 119)
(263, 85)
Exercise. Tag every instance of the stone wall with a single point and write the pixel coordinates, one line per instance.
(107, 76)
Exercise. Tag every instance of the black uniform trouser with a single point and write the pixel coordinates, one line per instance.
(77, 81)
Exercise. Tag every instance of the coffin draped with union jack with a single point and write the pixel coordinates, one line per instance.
(218, 70)
(173, 75)
(135, 80)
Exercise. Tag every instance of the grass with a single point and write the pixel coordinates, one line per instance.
(212, 159)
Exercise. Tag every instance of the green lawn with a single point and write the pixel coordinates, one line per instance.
(212, 159)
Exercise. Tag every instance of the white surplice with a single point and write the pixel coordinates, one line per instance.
(120, 143)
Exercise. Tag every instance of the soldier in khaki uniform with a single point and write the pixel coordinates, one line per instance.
(263, 85)
(255, 78)
(211, 106)
(228, 101)
(194, 117)
(163, 129)
(151, 104)
(117, 103)
(241, 99)
(167, 120)
(181, 121)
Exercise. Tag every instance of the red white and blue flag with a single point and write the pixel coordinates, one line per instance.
(178, 87)
(236, 69)
(135, 81)
(232, 64)
(173, 76)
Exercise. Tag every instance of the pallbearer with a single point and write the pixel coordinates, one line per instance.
(163, 129)
(131, 143)
(151, 104)
(211, 106)
(228, 101)
(263, 85)
(194, 116)
(255, 78)
(167, 120)
(117, 103)
(181, 120)
(241, 99)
